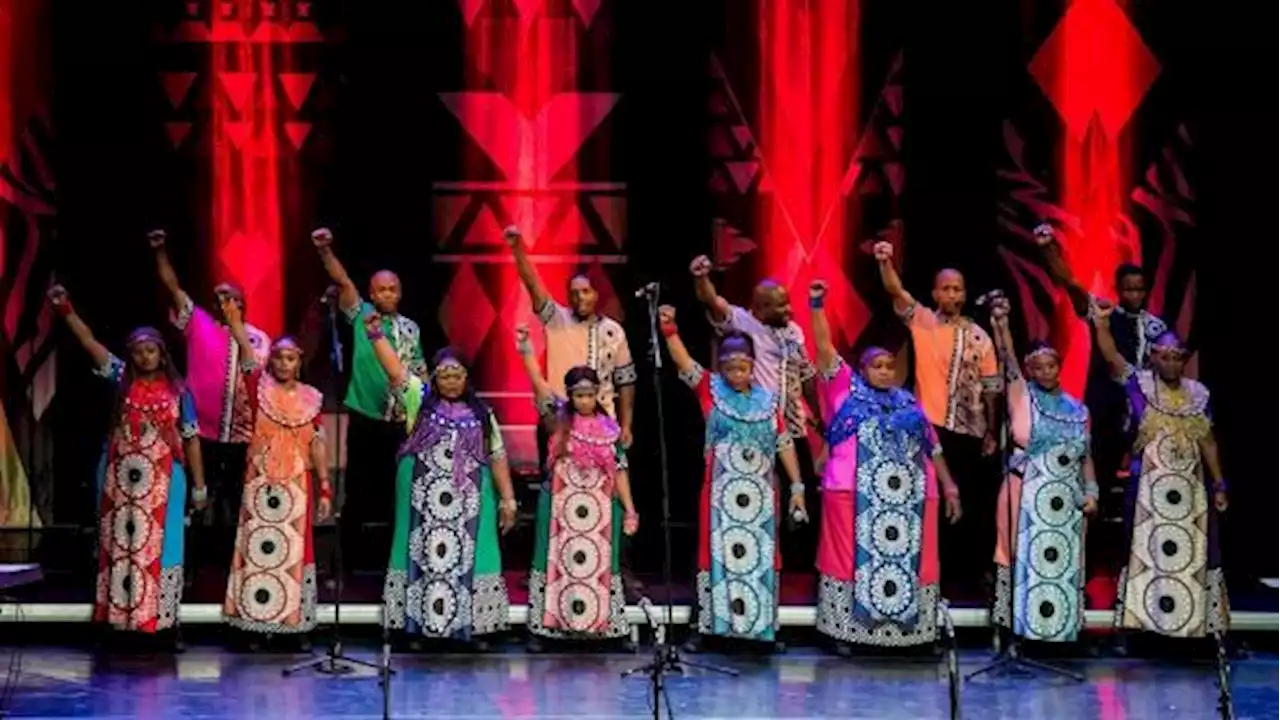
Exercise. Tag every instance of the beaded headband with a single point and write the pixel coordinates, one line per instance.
(285, 343)
(1046, 350)
(144, 335)
(449, 363)
(584, 384)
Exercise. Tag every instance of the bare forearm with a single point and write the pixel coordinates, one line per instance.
(389, 360)
(1212, 462)
(84, 335)
(348, 294)
(707, 295)
(790, 464)
(1060, 273)
(529, 277)
(893, 286)
(242, 339)
(320, 462)
(626, 405)
(943, 473)
(169, 278)
(826, 349)
(541, 389)
(502, 478)
(991, 407)
(810, 392)
(622, 481)
(195, 461)
(679, 353)
(1107, 346)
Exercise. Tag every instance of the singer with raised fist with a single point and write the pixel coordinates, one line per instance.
(1048, 492)
(151, 447)
(584, 510)
(1172, 581)
(958, 384)
(221, 395)
(882, 489)
(377, 419)
(741, 510)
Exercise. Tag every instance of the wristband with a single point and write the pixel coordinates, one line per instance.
(200, 493)
(64, 310)
(1220, 485)
(374, 335)
(669, 329)
(797, 488)
(326, 490)
(524, 347)
(509, 504)
(816, 303)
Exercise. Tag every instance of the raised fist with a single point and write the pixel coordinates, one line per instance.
(666, 315)
(1101, 308)
(156, 239)
(322, 237)
(1000, 308)
(230, 310)
(511, 235)
(58, 296)
(817, 289)
(883, 251)
(1043, 234)
(700, 267)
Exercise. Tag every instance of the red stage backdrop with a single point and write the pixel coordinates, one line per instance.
(27, 212)
(237, 76)
(805, 173)
(536, 91)
(1094, 70)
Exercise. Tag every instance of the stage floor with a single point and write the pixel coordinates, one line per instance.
(212, 683)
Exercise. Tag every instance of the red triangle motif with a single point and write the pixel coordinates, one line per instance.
(239, 87)
(177, 132)
(742, 134)
(470, 9)
(587, 10)
(526, 8)
(531, 214)
(239, 132)
(743, 173)
(449, 209)
(895, 136)
(296, 86)
(297, 132)
(612, 210)
(576, 232)
(509, 138)
(176, 86)
(485, 230)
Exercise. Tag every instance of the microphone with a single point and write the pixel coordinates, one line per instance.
(648, 290)
(330, 295)
(988, 296)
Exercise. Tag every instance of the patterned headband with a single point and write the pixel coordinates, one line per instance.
(870, 354)
(145, 335)
(449, 363)
(584, 384)
(285, 343)
(1044, 350)
(736, 355)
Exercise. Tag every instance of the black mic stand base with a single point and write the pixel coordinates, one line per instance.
(667, 660)
(1010, 658)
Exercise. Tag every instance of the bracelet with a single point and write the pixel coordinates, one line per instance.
(509, 504)
(797, 488)
(524, 347)
(669, 329)
(200, 493)
(816, 303)
(374, 335)
(64, 310)
(629, 514)
(326, 490)
(1220, 485)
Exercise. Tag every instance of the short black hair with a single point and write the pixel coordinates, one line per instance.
(581, 271)
(1126, 270)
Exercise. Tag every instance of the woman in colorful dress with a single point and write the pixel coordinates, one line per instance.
(142, 480)
(1048, 491)
(878, 546)
(272, 585)
(738, 558)
(453, 495)
(1172, 583)
(575, 585)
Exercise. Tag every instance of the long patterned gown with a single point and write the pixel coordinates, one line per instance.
(444, 579)
(738, 557)
(1172, 583)
(878, 548)
(272, 584)
(142, 487)
(575, 585)
(1040, 525)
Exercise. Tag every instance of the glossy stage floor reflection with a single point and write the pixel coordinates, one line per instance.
(209, 683)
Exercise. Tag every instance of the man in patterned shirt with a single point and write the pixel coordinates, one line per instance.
(783, 368)
(222, 407)
(377, 426)
(958, 385)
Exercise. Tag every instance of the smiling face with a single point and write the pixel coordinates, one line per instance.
(771, 304)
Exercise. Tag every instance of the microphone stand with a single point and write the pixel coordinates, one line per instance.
(334, 662)
(1226, 707)
(1010, 654)
(666, 658)
(953, 658)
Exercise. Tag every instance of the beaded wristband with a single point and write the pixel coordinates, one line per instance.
(375, 335)
(64, 309)
(669, 329)
(200, 494)
(797, 488)
(524, 347)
